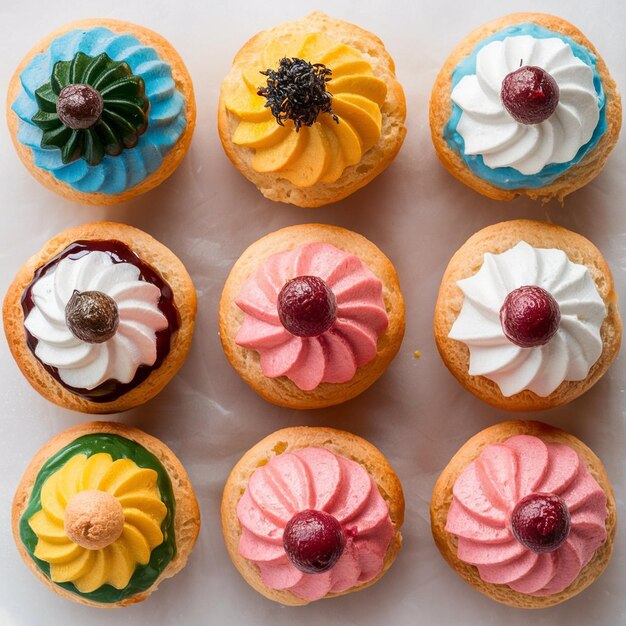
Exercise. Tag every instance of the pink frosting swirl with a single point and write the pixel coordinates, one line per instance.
(485, 494)
(333, 356)
(314, 478)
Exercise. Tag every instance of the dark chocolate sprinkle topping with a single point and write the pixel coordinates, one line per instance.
(297, 91)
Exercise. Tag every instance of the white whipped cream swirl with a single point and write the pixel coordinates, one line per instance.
(87, 365)
(489, 130)
(568, 355)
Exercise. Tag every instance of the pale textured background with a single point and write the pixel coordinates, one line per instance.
(207, 213)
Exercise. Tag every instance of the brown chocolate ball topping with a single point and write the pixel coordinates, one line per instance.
(79, 106)
(92, 316)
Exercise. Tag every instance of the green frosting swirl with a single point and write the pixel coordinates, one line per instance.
(123, 119)
(119, 448)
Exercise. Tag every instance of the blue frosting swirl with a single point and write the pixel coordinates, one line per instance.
(166, 123)
(508, 177)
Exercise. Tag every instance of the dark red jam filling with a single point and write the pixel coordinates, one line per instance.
(119, 252)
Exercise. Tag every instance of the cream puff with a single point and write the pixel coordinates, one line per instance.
(312, 513)
(525, 513)
(525, 105)
(311, 315)
(311, 110)
(104, 513)
(527, 316)
(101, 110)
(100, 319)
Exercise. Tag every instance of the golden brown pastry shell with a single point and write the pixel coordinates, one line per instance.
(152, 252)
(281, 390)
(468, 260)
(373, 162)
(186, 518)
(447, 542)
(337, 441)
(172, 159)
(576, 176)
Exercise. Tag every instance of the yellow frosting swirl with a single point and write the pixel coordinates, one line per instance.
(321, 152)
(136, 490)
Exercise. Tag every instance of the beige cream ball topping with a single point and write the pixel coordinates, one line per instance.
(93, 519)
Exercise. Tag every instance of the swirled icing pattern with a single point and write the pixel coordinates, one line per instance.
(136, 490)
(505, 145)
(570, 353)
(314, 478)
(489, 130)
(333, 356)
(166, 123)
(485, 494)
(321, 152)
(123, 118)
(85, 365)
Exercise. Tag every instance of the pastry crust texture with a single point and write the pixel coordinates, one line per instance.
(172, 159)
(576, 176)
(373, 162)
(447, 542)
(281, 390)
(468, 260)
(339, 442)
(186, 519)
(152, 252)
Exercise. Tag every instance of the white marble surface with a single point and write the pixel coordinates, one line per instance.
(207, 213)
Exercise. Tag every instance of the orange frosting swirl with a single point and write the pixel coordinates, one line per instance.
(320, 152)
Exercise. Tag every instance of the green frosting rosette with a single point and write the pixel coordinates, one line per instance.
(91, 106)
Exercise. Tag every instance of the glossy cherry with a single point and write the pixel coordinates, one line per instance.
(314, 541)
(79, 106)
(529, 94)
(530, 316)
(541, 522)
(306, 306)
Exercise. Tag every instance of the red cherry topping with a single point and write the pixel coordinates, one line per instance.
(541, 522)
(314, 541)
(306, 306)
(530, 316)
(529, 94)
